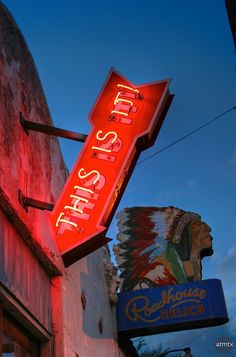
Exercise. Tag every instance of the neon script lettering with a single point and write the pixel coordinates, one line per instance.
(83, 197)
(140, 309)
(124, 121)
(82, 200)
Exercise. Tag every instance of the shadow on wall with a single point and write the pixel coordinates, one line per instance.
(99, 320)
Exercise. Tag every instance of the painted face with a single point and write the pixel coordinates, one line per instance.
(200, 233)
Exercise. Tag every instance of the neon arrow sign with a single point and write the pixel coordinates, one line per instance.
(125, 120)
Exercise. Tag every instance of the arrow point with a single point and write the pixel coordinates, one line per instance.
(95, 240)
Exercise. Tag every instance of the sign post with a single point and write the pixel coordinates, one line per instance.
(125, 120)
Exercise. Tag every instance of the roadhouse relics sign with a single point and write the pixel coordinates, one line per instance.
(159, 254)
(125, 120)
(171, 308)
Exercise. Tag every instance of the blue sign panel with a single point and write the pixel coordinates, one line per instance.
(171, 308)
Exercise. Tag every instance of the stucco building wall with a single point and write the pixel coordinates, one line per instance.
(45, 296)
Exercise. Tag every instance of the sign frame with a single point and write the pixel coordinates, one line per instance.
(141, 111)
(160, 310)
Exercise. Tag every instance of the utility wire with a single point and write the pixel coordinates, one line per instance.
(186, 136)
(196, 337)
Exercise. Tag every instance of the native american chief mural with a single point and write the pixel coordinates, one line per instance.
(160, 246)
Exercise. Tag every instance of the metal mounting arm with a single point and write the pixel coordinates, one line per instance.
(51, 130)
(31, 202)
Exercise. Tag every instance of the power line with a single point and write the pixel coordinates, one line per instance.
(196, 337)
(186, 136)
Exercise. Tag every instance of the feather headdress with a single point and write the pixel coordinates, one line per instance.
(146, 253)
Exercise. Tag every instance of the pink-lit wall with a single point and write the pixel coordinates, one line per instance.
(30, 266)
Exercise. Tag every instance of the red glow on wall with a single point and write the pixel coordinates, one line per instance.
(125, 120)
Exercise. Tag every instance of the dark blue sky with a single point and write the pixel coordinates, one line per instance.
(74, 43)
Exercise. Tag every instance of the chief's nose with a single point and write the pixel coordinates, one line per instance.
(206, 227)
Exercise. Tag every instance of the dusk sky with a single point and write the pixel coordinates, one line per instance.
(75, 43)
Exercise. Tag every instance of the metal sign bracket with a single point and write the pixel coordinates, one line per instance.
(51, 130)
(31, 202)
